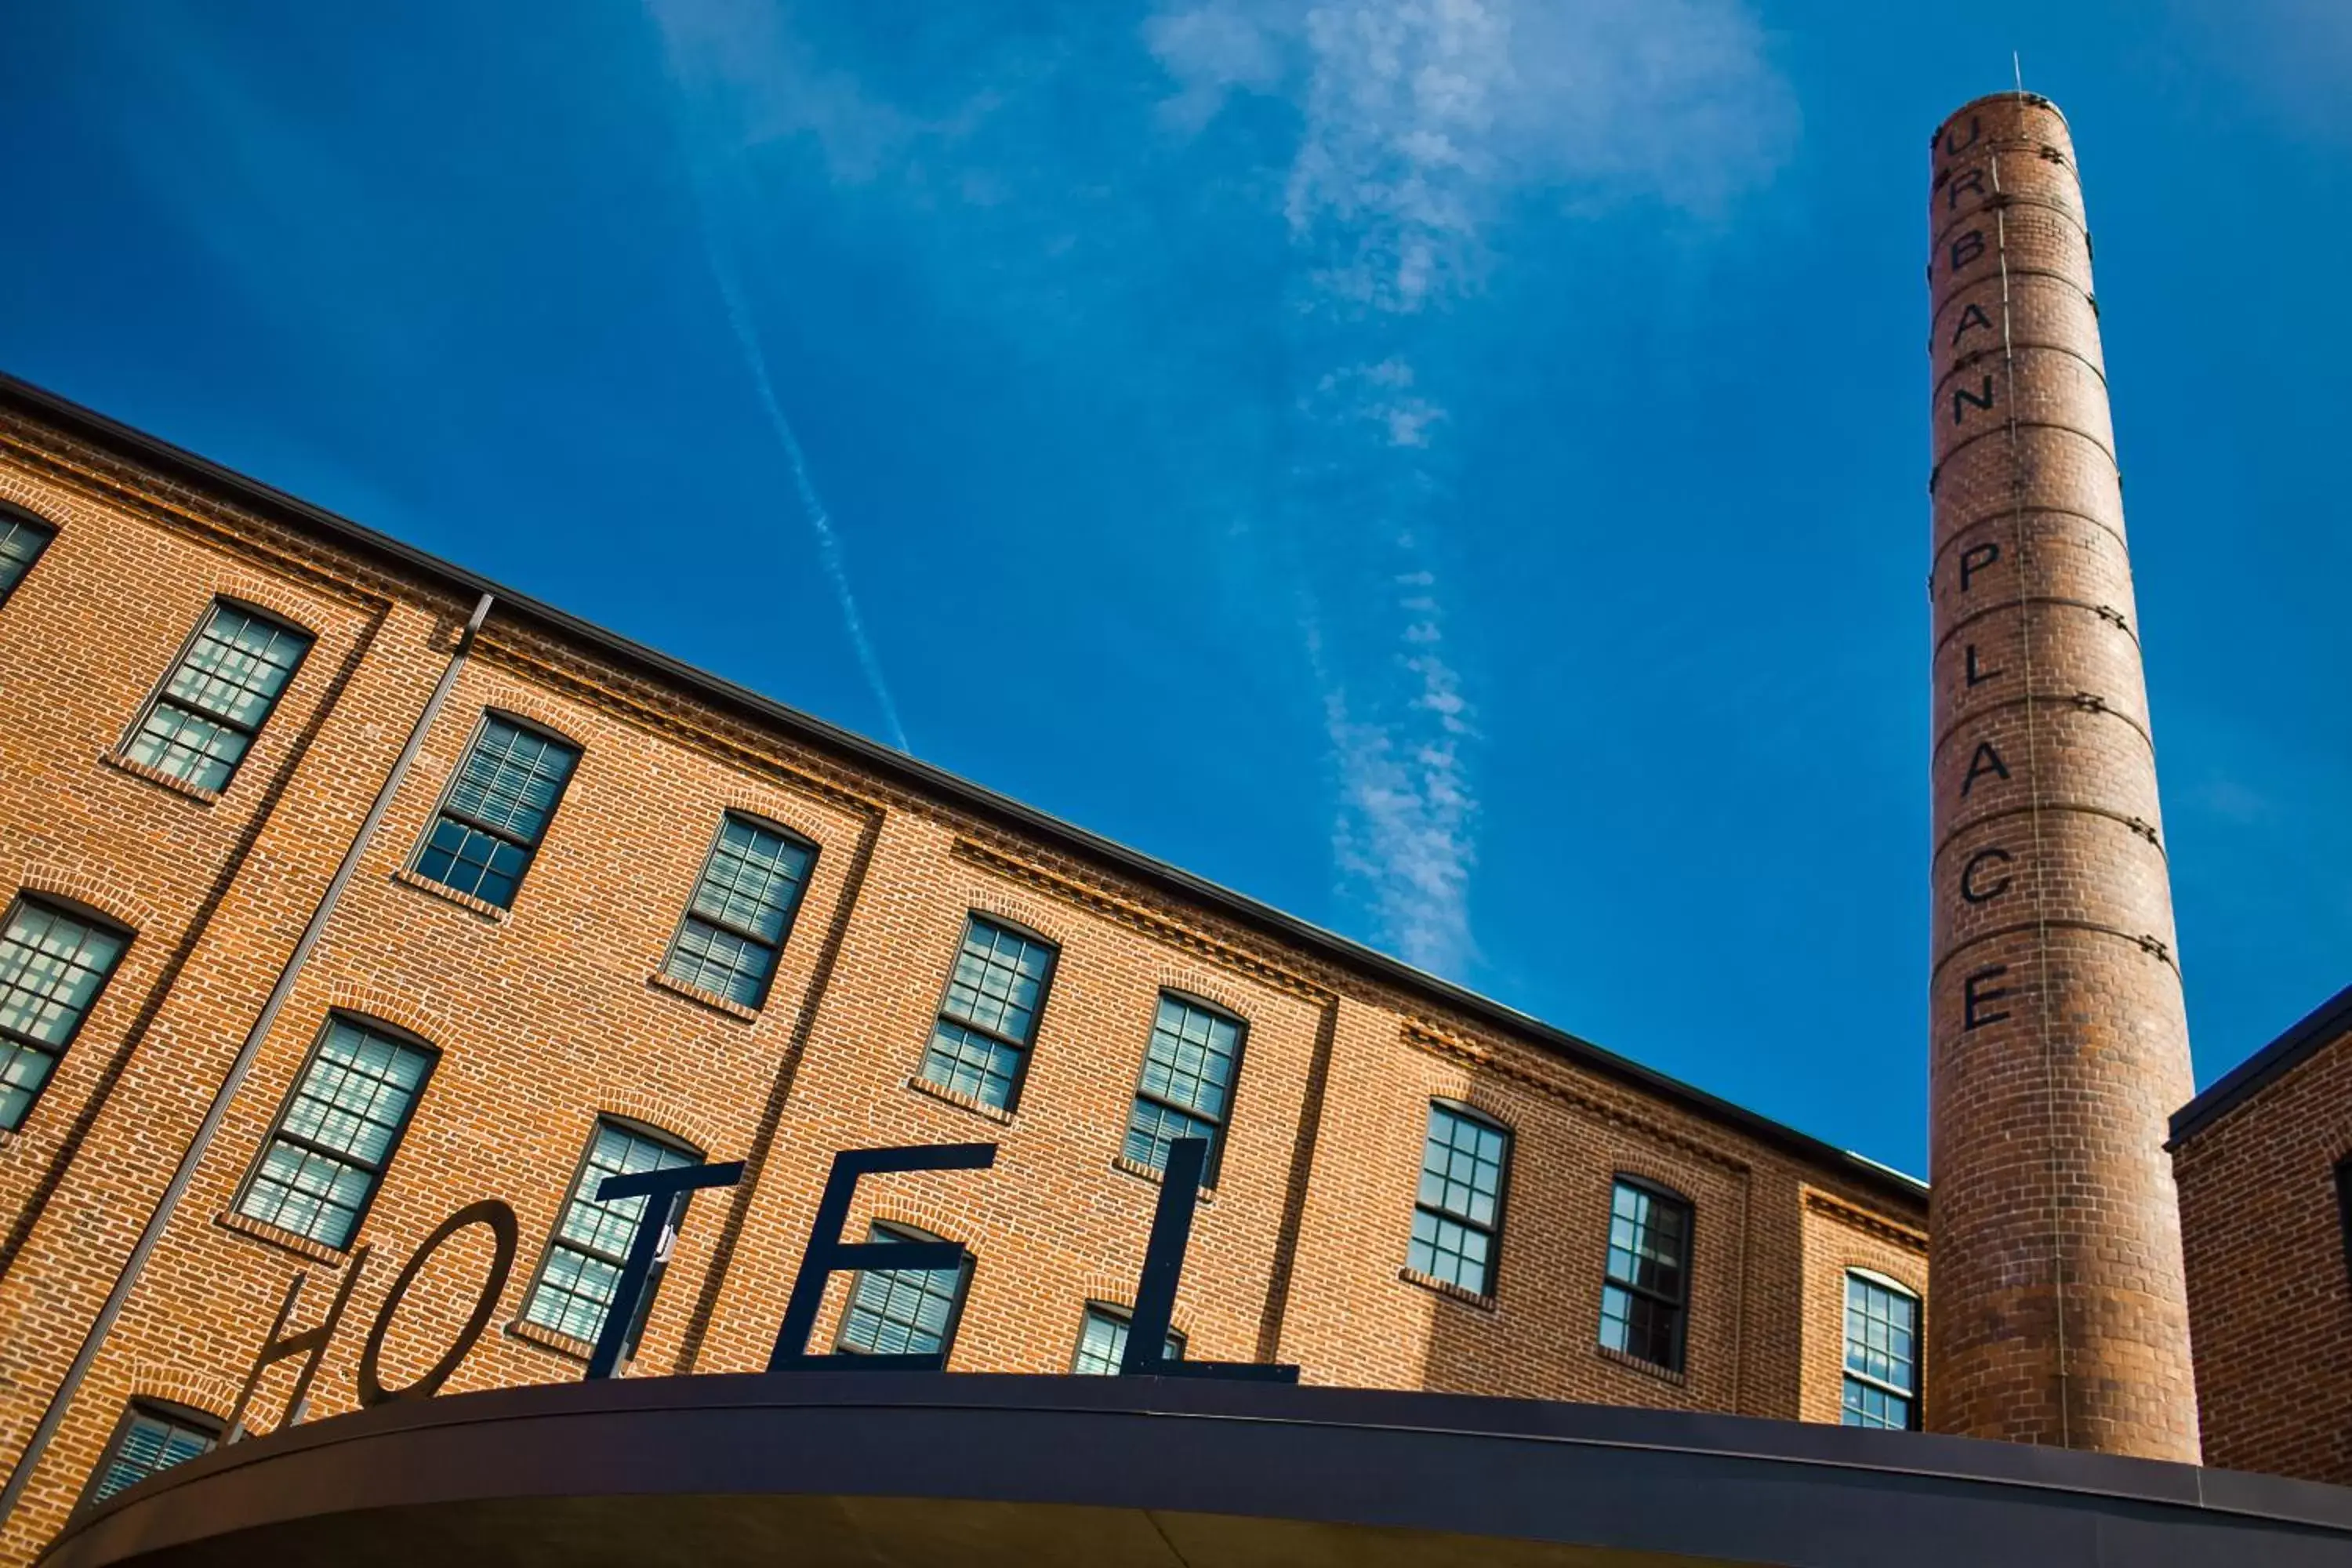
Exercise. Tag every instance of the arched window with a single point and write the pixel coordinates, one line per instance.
(1882, 1353)
(1646, 1302)
(1457, 1216)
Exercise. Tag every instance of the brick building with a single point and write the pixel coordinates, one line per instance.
(327, 916)
(2265, 1162)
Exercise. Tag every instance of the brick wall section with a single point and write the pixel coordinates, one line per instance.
(545, 1016)
(2268, 1292)
(2056, 1235)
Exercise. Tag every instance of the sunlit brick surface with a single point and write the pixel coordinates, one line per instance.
(2060, 1044)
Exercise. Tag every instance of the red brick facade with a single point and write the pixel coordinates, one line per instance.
(2060, 1043)
(2265, 1162)
(548, 1014)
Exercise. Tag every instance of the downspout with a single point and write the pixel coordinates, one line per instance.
(62, 1400)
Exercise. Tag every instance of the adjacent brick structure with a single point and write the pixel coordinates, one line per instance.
(2059, 1042)
(548, 1014)
(2265, 1162)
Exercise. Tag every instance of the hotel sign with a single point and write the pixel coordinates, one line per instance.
(825, 1255)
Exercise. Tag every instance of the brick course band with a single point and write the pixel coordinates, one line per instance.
(2059, 1037)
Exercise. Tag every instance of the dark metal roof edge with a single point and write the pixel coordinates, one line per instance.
(2330, 1021)
(153, 451)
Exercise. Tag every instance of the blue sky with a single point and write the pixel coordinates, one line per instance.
(1454, 470)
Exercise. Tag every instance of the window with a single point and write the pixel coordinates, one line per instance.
(153, 1437)
(1882, 1363)
(319, 1168)
(22, 540)
(1458, 1215)
(742, 911)
(583, 1266)
(1102, 1341)
(1188, 1077)
(1649, 1267)
(215, 699)
(982, 1041)
(903, 1311)
(496, 812)
(53, 965)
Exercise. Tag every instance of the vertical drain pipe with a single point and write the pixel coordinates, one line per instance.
(60, 1402)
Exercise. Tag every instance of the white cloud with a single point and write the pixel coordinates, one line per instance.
(1419, 120)
(1383, 143)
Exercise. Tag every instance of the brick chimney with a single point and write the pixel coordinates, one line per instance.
(2060, 1044)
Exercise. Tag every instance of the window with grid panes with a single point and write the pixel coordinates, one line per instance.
(53, 965)
(497, 811)
(215, 699)
(1882, 1360)
(319, 1168)
(1641, 1305)
(903, 1311)
(1102, 1341)
(981, 1043)
(742, 911)
(1457, 1216)
(151, 1439)
(583, 1266)
(1188, 1079)
(22, 540)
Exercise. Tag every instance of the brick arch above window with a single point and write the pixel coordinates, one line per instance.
(401, 1014)
(36, 510)
(114, 902)
(266, 597)
(200, 1391)
(529, 707)
(1637, 1174)
(1027, 916)
(1874, 1271)
(1194, 986)
(782, 815)
(1104, 1289)
(932, 1219)
(667, 1120)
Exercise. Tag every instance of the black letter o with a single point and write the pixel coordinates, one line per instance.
(501, 1221)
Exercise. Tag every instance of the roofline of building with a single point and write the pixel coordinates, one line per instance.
(153, 452)
(2331, 1020)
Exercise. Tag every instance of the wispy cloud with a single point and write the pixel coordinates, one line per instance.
(1418, 120)
(1068, 183)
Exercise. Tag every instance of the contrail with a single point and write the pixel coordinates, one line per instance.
(755, 360)
(820, 520)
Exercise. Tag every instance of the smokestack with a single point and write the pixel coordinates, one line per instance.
(2060, 1044)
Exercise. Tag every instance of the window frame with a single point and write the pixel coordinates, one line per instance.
(72, 909)
(897, 1231)
(940, 1015)
(276, 1130)
(1914, 1399)
(2344, 1208)
(159, 692)
(433, 818)
(1097, 1308)
(1222, 1124)
(166, 1410)
(792, 916)
(1657, 1192)
(10, 512)
(554, 1238)
(1494, 1231)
